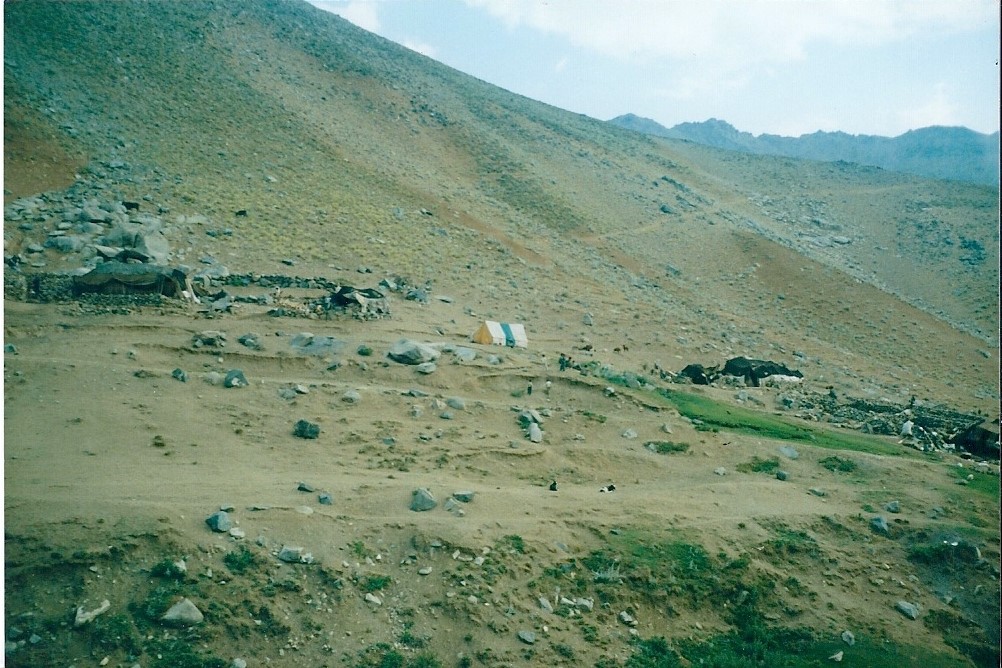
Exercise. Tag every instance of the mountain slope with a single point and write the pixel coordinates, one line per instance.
(936, 152)
(286, 147)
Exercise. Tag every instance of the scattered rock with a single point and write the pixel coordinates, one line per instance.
(848, 638)
(782, 475)
(210, 338)
(82, 616)
(372, 598)
(789, 451)
(528, 637)
(235, 378)
(817, 491)
(879, 525)
(422, 500)
(219, 521)
(252, 341)
(544, 603)
(426, 368)
(184, 612)
(425, 571)
(406, 351)
(630, 434)
(720, 470)
(325, 499)
(291, 554)
(535, 433)
(893, 507)
(909, 610)
(627, 618)
(351, 397)
(306, 429)
(179, 374)
(456, 403)
(465, 496)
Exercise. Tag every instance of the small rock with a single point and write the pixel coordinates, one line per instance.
(535, 433)
(179, 374)
(351, 397)
(528, 637)
(879, 525)
(325, 499)
(627, 618)
(251, 340)
(630, 433)
(426, 368)
(848, 638)
(235, 378)
(909, 610)
(425, 571)
(720, 470)
(788, 451)
(817, 491)
(238, 663)
(464, 496)
(782, 475)
(183, 612)
(10, 349)
(893, 507)
(372, 598)
(422, 500)
(219, 521)
(306, 429)
(82, 616)
(455, 403)
(545, 604)
(305, 487)
(291, 554)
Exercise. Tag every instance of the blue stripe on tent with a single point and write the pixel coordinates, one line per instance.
(509, 337)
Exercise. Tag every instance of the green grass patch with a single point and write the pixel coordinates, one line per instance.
(791, 543)
(373, 583)
(717, 414)
(759, 465)
(240, 561)
(982, 483)
(666, 447)
(838, 464)
(512, 543)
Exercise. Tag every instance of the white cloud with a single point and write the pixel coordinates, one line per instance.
(940, 109)
(362, 13)
(732, 34)
(421, 47)
(560, 65)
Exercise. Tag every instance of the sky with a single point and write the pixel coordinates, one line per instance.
(786, 67)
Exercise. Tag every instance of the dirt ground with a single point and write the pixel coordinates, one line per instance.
(110, 459)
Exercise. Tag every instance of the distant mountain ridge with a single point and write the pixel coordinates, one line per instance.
(953, 153)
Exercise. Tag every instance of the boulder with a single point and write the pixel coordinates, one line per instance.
(422, 500)
(184, 613)
(406, 351)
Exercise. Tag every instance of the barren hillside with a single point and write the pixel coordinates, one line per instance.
(266, 145)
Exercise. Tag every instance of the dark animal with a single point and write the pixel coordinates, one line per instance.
(131, 206)
(241, 213)
(699, 375)
(981, 440)
(753, 371)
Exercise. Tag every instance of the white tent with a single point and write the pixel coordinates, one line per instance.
(501, 334)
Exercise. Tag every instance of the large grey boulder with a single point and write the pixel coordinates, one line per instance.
(406, 351)
(422, 500)
(184, 613)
